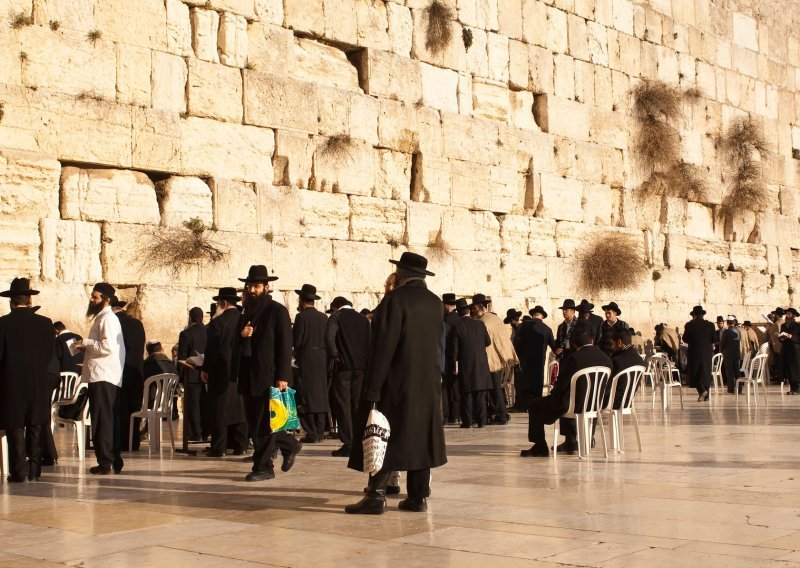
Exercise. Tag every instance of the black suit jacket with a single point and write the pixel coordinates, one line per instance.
(352, 340)
(621, 360)
(531, 341)
(270, 358)
(221, 360)
(587, 356)
(157, 364)
(134, 338)
(192, 341)
(68, 363)
(467, 343)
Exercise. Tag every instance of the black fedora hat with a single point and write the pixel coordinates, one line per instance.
(512, 315)
(569, 304)
(307, 292)
(212, 309)
(747, 323)
(449, 298)
(228, 294)
(340, 301)
(413, 262)
(538, 310)
(480, 299)
(792, 311)
(780, 312)
(612, 306)
(117, 303)
(258, 273)
(461, 304)
(585, 306)
(697, 311)
(19, 287)
(720, 319)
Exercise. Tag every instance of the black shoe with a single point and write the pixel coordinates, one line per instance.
(703, 397)
(414, 505)
(309, 440)
(593, 442)
(238, 452)
(15, 479)
(535, 452)
(568, 448)
(118, 466)
(49, 461)
(465, 426)
(259, 476)
(369, 505)
(101, 470)
(498, 422)
(35, 472)
(343, 452)
(481, 426)
(393, 490)
(288, 460)
(215, 454)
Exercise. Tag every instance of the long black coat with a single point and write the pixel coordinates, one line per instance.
(450, 321)
(27, 345)
(467, 343)
(132, 373)
(270, 349)
(404, 377)
(564, 333)
(67, 362)
(730, 345)
(790, 351)
(192, 341)
(595, 324)
(221, 365)
(531, 341)
(621, 360)
(700, 336)
(587, 356)
(311, 359)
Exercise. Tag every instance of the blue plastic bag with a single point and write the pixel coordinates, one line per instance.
(282, 410)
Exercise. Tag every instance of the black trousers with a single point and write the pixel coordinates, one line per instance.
(345, 393)
(730, 371)
(541, 411)
(192, 412)
(314, 424)
(264, 440)
(229, 435)
(418, 483)
(498, 397)
(450, 399)
(473, 408)
(104, 406)
(130, 401)
(24, 444)
(49, 452)
(524, 397)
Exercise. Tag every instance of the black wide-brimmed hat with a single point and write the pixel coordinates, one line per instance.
(780, 312)
(117, 303)
(585, 306)
(340, 301)
(461, 304)
(258, 273)
(365, 311)
(792, 311)
(569, 304)
(480, 299)
(449, 298)
(747, 323)
(307, 292)
(512, 315)
(228, 294)
(697, 311)
(538, 310)
(212, 309)
(19, 287)
(413, 262)
(612, 306)
(720, 319)
(105, 289)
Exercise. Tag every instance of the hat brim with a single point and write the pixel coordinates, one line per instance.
(10, 293)
(542, 313)
(119, 305)
(613, 309)
(234, 299)
(700, 313)
(304, 296)
(414, 269)
(567, 307)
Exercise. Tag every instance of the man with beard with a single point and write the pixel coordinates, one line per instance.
(531, 343)
(219, 373)
(191, 342)
(450, 388)
(403, 380)
(595, 322)
(265, 359)
(103, 362)
(312, 363)
(466, 353)
(699, 335)
(731, 349)
(790, 350)
(611, 323)
(132, 374)
(26, 350)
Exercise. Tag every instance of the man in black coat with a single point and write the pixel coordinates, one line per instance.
(531, 341)
(191, 342)
(312, 364)
(467, 357)
(403, 379)
(548, 409)
(133, 373)
(450, 388)
(595, 322)
(790, 350)
(566, 328)
(730, 345)
(624, 356)
(700, 337)
(347, 341)
(265, 360)
(26, 350)
(67, 362)
(610, 324)
(219, 373)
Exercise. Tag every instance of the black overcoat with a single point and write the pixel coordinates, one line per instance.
(27, 345)
(192, 341)
(132, 373)
(404, 377)
(67, 362)
(311, 359)
(270, 349)
(583, 358)
(595, 324)
(531, 341)
(450, 321)
(220, 363)
(699, 335)
(621, 360)
(467, 343)
(790, 351)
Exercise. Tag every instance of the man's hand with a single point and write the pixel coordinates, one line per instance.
(204, 376)
(282, 385)
(247, 331)
(559, 351)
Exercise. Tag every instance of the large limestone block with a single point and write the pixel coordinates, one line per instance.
(477, 272)
(564, 76)
(424, 223)
(557, 35)
(515, 232)
(235, 205)
(76, 15)
(205, 32)
(560, 198)
(700, 221)
(391, 76)
(19, 249)
(301, 260)
(451, 56)
(108, 195)
(281, 102)
(764, 289)
(401, 28)
(542, 241)
(364, 112)
(334, 111)
(439, 88)
(745, 31)
(572, 239)
(521, 110)
(541, 70)
(561, 116)
(601, 204)
(373, 24)
(700, 253)
(486, 229)
(723, 286)
(179, 28)
(457, 229)
(680, 285)
(145, 23)
(588, 162)
(509, 18)
(469, 139)
(133, 75)
(748, 258)
(477, 56)
(183, 198)
(279, 212)
(241, 251)
(324, 215)
(490, 99)
(351, 275)
(232, 40)
(498, 52)
(71, 251)
(109, 123)
(305, 16)
(155, 140)
(270, 48)
(377, 220)
(429, 130)
(343, 166)
(471, 185)
(28, 185)
(294, 157)
(431, 179)
(322, 64)
(518, 65)
(609, 128)
(214, 91)
(163, 308)
(168, 82)
(232, 150)
(508, 189)
(341, 21)
(397, 126)
(578, 37)
(523, 275)
(392, 175)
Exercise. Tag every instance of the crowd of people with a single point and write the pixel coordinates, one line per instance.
(422, 360)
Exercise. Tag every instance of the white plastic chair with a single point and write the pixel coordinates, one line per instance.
(595, 378)
(3, 455)
(79, 425)
(716, 372)
(665, 380)
(754, 378)
(548, 377)
(633, 376)
(67, 385)
(164, 386)
(649, 376)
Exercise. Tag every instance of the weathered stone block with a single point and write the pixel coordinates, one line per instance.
(523, 275)
(469, 139)
(714, 255)
(373, 24)
(486, 229)
(391, 76)
(324, 215)
(471, 185)
(133, 75)
(205, 32)
(179, 28)
(745, 31)
(28, 185)
(542, 241)
(364, 112)
(71, 251)
(680, 285)
(334, 111)
(168, 82)
(700, 221)
(477, 272)
(76, 15)
(723, 286)
(343, 166)
(305, 16)
(145, 25)
(490, 99)
(439, 88)
(108, 195)
(477, 56)
(515, 232)
(457, 229)
(424, 223)
(560, 198)
(396, 126)
(521, 110)
(509, 18)
(392, 175)
(748, 258)
(19, 249)
(155, 140)
(183, 198)
(280, 102)
(323, 65)
(232, 40)
(451, 56)
(401, 29)
(431, 180)
(497, 50)
(270, 48)
(601, 204)
(279, 212)
(293, 160)
(561, 116)
(377, 220)
(235, 205)
(350, 275)
(214, 91)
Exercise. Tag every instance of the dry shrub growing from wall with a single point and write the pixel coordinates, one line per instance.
(177, 248)
(438, 33)
(683, 180)
(438, 248)
(611, 262)
(337, 147)
(744, 138)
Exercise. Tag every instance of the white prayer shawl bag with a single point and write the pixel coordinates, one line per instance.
(376, 437)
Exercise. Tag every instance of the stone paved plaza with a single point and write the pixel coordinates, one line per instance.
(715, 486)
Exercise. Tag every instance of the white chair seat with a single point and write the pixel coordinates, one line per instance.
(164, 387)
(755, 377)
(632, 377)
(595, 378)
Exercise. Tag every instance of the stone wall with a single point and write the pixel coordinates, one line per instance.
(322, 137)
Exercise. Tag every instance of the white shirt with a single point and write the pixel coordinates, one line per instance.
(104, 357)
